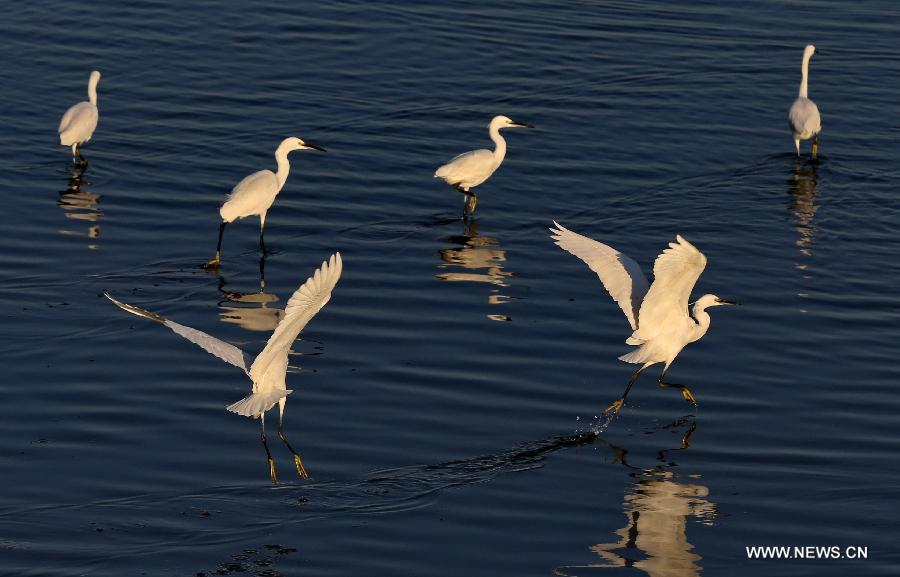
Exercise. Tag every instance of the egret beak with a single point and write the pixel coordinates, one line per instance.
(725, 302)
(522, 124)
(313, 147)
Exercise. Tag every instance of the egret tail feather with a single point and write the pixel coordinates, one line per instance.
(256, 404)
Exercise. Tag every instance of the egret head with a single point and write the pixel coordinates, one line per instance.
(809, 51)
(707, 301)
(507, 122)
(293, 143)
(95, 77)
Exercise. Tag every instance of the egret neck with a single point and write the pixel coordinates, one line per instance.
(499, 142)
(805, 72)
(284, 166)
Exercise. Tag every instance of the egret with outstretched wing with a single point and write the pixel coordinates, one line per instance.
(660, 320)
(268, 371)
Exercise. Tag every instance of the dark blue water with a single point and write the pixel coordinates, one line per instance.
(444, 397)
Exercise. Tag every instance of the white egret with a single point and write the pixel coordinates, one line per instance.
(255, 194)
(659, 317)
(470, 169)
(268, 370)
(804, 114)
(79, 122)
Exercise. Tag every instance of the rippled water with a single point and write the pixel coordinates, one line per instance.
(444, 397)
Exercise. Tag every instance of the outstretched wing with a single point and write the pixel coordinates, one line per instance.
(675, 273)
(225, 351)
(302, 306)
(620, 275)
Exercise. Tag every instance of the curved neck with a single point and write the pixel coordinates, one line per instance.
(702, 318)
(92, 90)
(284, 166)
(805, 72)
(500, 144)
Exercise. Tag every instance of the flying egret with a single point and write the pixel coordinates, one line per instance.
(255, 194)
(470, 169)
(79, 122)
(804, 114)
(659, 317)
(269, 369)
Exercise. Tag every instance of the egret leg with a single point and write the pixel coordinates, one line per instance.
(617, 406)
(815, 147)
(297, 461)
(685, 392)
(215, 262)
(262, 435)
(473, 202)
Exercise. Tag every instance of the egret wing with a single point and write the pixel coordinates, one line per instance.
(620, 274)
(219, 348)
(302, 306)
(79, 121)
(804, 117)
(467, 165)
(675, 273)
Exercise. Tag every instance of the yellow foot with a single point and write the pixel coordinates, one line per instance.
(213, 263)
(272, 472)
(615, 407)
(689, 396)
(473, 202)
(300, 468)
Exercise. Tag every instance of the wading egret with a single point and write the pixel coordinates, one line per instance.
(255, 194)
(659, 317)
(470, 169)
(804, 114)
(268, 370)
(79, 122)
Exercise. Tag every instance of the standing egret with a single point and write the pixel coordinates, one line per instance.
(79, 122)
(470, 169)
(804, 114)
(255, 194)
(269, 369)
(659, 317)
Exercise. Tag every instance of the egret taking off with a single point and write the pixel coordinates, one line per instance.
(661, 322)
(255, 194)
(470, 169)
(79, 122)
(269, 369)
(804, 114)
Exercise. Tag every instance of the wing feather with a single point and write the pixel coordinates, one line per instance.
(621, 275)
(675, 273)
(219, 348)
(302, 306)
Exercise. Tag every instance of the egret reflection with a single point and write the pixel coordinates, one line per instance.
(476, 259)
(253, 311)
(654, 538)
(803, 188)
(80, 204)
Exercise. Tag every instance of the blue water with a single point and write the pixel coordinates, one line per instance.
(444, 399)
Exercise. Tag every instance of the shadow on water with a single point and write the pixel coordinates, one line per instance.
(476, 259)
(657, 507)
(250, 310)
(803, 188)
(80, 204)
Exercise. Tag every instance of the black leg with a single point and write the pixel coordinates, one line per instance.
(215, 262)
(262, 435)
(262, 241)
(300, 469)
(262, 272)
(685, 392)
(615, 407)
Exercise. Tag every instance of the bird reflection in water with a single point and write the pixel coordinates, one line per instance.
(476, 259)
(657, 508)
(803, 188)
(81, 205)
(251, 310)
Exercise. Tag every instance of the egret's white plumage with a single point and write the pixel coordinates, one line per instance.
(804, 114)
(255, 194)
(661, 322)
(79, 122)
(268, 371)
(470, 169)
